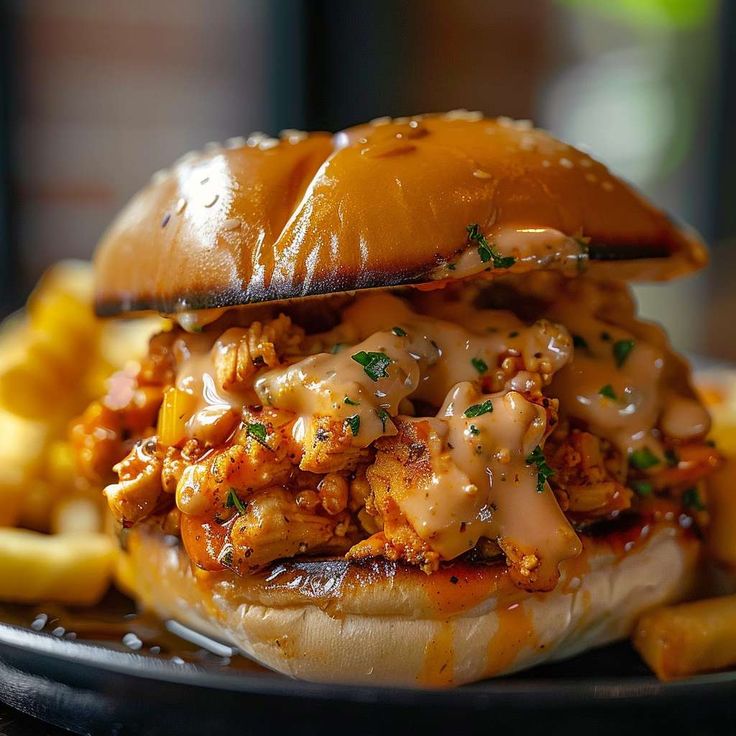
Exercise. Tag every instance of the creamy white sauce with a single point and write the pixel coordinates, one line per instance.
(449, 354)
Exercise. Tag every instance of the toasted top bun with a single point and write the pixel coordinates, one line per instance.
(382, 204)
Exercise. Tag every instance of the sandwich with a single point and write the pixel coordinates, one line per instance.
(405, 426)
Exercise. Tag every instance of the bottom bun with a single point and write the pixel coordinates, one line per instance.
(384, 623)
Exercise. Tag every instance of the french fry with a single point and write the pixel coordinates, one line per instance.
(679, 641)
(34, 567)
(76, 515)
(721, 531)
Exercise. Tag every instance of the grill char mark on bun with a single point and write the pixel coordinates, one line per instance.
(377, 205)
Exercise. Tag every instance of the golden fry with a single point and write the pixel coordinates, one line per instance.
(679, 641)
(66, 569)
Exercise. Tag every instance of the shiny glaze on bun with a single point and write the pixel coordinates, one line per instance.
(382, 204)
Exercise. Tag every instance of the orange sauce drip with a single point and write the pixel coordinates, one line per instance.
(439, 658)
(515, 631)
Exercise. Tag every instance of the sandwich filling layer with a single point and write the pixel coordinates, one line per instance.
(487, 422)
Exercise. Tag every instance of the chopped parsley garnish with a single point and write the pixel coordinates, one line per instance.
(579, 342)
(384, 416)
(477, 409)
(608, 392)
(354, 423)
(451, 266)
(544, 472)
(642, 487)
(643, 458)
(473, 430)
(374, 364)
(479, 364)
(258, 432)
(399, 331)
(691, 500)
(486, 251)
(621, 350)
(234, 502)
(673, 459)
(347, 400)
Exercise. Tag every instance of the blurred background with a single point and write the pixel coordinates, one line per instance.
(95, 95)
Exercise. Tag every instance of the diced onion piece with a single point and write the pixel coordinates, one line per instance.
(176, 408)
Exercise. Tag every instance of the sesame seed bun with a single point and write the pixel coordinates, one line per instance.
(382, 204)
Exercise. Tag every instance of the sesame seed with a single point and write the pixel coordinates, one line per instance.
(402, 120)
(211, 201)
(236, 142)
(205, 180)
(58, 632)
(159, 176)
(385, 120)
(255, 138)
(592, 178)
(186, 158)
(211, 146)
(267, 143)
(232, 224)
(607, 186)
(546, 164)
(480, 174)
(566, 163)
(293, 136)
(586, 163)
(463, 114)
(180, 205)
(39, 622)
(166, 219)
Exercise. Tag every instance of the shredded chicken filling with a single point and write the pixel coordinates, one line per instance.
(495, 421)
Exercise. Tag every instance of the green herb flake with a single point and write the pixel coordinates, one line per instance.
(399, 331)
(579, 342)
(486, 250)
(691, 500)
(258, 432)
(451, 266)
(374, 364)
(643, 458)
(384, 416)
(479, 364)
(477, 410)
(642, 487)
(608, 392)
(673, 459)
(544, 472)
(621, 350)
(354, 423)
(233, 501)
(347, 400)
(473, 430)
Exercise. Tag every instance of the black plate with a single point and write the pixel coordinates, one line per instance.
(96, 686)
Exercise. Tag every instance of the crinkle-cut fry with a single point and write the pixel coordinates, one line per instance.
(684, 640)
(34, 567)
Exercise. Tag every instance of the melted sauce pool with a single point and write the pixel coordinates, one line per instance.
(115, 624)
